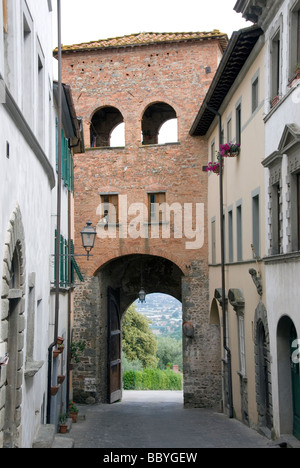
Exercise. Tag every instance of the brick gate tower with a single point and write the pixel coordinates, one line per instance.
(147, 199)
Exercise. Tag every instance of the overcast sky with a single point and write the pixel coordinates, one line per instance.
(90, 20)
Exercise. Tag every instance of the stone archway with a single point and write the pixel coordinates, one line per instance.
(263, 369)
(12, 331)
(201, 353)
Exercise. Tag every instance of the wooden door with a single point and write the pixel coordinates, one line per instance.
(114, 347)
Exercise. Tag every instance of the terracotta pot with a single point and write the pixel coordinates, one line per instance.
(60, 340)
(63, 429)
(73, 416)
(56, 353)
(54, 390)
(60, 379)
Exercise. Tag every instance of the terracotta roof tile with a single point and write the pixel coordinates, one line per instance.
(147, 38)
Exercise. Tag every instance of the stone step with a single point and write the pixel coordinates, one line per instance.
(62, 441)
(44, 437)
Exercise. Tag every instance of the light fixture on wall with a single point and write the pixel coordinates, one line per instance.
(88, 236)
(142, 294)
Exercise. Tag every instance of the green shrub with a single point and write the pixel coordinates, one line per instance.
(152, 379)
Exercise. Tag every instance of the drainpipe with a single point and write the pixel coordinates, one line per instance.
(226, 348)
(69, 303)
(58, 225)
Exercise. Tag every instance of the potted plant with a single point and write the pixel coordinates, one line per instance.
(60, 340)
(54, 389)
(230, 149)
(296, 77)
(213, 167)
(60, 348)
(275, 100)
(60, 379)
(73, 411)
(63, 426)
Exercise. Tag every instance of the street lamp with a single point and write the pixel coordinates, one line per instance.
(88, 236)
(142, 296)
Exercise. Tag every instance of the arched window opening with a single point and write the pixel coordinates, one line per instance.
(103, 123)
(153, 119)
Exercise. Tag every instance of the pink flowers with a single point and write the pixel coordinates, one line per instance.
(229, 149)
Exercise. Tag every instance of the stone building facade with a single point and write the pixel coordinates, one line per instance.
(146, 199)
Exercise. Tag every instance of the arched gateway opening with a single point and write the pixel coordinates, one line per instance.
(103, 300)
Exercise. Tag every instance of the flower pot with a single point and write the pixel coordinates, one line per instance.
(60, 340)
(63, 429)
(275, 100)
(60, 379)
(73, 416)
(56, 353)
(54, 390)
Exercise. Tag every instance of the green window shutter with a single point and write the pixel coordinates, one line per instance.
(56, 142)
(61, 283)
(66, 279)
(75, 266)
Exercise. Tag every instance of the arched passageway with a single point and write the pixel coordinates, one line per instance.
(100, 305)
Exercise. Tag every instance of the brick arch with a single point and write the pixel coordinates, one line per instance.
(12, 329)
(133, 251)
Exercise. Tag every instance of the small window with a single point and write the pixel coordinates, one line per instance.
(255, 95)
(238, 117)
(275, 68)
(110, 209)
(229, 130)
(213, 241)
(213, 152)
(230, 236)
(239, 232)
(276, 219)
(156, 208)
(255, 225)
(155, 116)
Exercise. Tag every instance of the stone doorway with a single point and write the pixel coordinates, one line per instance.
(201, 352)
(12, 332)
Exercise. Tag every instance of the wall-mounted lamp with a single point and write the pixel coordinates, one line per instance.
(88, 236)
(142, 296)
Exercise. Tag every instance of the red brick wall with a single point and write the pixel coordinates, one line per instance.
(130, 79)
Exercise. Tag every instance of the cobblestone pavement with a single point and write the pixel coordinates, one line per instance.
(158, 420)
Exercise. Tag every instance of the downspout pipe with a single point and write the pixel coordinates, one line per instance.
(226, 348)
(58, 221)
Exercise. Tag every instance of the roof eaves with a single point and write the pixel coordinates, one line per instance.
(239, 48)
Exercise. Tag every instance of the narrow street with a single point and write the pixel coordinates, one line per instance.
(154, 419)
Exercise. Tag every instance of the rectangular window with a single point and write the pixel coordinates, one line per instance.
(238, 120)
(110, 208)
(229, 130)
(275, 67)
(155, 209)
(255, 95)
(41, 101)
(27, 70)
(213, 152)
(255, 225)
(230, 236)
(239, 232)
(213, 241)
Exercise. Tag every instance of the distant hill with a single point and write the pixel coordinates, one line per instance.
(165, 313)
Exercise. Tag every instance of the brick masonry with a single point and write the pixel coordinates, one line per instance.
(131, 79)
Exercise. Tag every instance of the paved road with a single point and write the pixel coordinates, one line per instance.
(158, 420)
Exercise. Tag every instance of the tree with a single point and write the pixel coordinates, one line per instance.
(169, 351)
(138, 340)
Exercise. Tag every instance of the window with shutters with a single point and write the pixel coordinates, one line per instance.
(109, 208)
(156, 207)
(67, 164)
